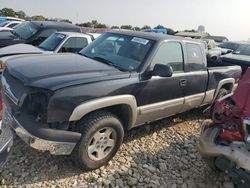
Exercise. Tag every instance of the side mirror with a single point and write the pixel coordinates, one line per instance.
(163, 70)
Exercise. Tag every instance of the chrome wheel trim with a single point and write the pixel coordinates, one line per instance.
(102, 143)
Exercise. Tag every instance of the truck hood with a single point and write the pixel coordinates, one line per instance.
(56, 71)
(7, 38)
(19, 49)
(242, 60)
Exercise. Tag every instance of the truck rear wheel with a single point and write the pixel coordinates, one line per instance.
(210, 161)
(102, 135)
(222, 92)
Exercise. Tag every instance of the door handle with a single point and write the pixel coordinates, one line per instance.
(183, 82)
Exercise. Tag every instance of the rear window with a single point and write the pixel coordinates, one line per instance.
(194, 56)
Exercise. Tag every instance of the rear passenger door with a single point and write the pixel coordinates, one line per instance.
(196, 75)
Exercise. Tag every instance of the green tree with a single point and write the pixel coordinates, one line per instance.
(137, 28)
(159, 27)
(115, 27)
(127, 27)
(100, 25)
(171, 31)
(20, 14)
(87, 24)
(145, 27)
(38, 18)
(7, 12)
(94, 23)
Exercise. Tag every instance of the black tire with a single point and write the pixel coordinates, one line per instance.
(222, 92)
(210, 161)
(91, 125)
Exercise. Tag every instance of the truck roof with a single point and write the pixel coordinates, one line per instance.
(51, 24)
(69, 33)
(151, 36)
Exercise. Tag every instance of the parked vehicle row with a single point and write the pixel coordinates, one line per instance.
(9, 25)
(81, 104)
(33, 32)
(58, 42)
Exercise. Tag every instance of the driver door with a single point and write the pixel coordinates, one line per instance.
(163, 96)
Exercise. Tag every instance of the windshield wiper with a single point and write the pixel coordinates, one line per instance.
(105, 61)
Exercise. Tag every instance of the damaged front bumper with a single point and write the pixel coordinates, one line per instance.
(233, 159)
(57, 142)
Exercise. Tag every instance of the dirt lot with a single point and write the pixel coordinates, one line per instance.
(162, 154)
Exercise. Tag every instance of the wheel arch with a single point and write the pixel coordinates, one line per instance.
(123, 106)
(226, 84)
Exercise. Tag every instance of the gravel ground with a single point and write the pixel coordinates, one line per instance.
(162, 154)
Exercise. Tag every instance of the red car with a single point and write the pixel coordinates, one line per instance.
(225, 139)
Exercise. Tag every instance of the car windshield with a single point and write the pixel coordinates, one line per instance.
(229, 45)
(122, 51)
(243, 50)
(26, 30)
(3, 24)
(51, 43)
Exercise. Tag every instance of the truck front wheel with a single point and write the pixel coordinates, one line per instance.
(102, 135)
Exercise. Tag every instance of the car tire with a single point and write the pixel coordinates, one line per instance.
(102, 135)
(222, 92)
(210, 161)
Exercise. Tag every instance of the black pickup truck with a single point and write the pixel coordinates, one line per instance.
(81, 104)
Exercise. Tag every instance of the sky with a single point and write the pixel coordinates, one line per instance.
(229, 18)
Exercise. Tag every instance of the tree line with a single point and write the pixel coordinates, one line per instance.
(94, 23)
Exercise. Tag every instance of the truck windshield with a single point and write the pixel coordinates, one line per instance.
(244, 49)
(26, 30)
(51, 43)
(122, 51)
(229, 45)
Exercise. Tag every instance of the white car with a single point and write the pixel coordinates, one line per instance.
(58, 42)
(9, 25)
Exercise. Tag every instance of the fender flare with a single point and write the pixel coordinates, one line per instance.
(81, 110)
(222, 83)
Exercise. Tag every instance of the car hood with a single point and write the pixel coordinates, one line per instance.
(6, 34)
(56, 71)
(19, 49)
(8, 38)
(242, 60)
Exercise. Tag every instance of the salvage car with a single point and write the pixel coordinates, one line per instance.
(58, 42)
(225, 140)
(229, 46)
(81, 104)
(33, 32)
(240, 56)
(9, 25)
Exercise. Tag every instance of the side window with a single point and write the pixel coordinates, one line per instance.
(74, 44)
(194, 56)
(170, 53)
(12, 25)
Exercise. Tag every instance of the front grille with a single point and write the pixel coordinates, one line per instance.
(13, 89)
